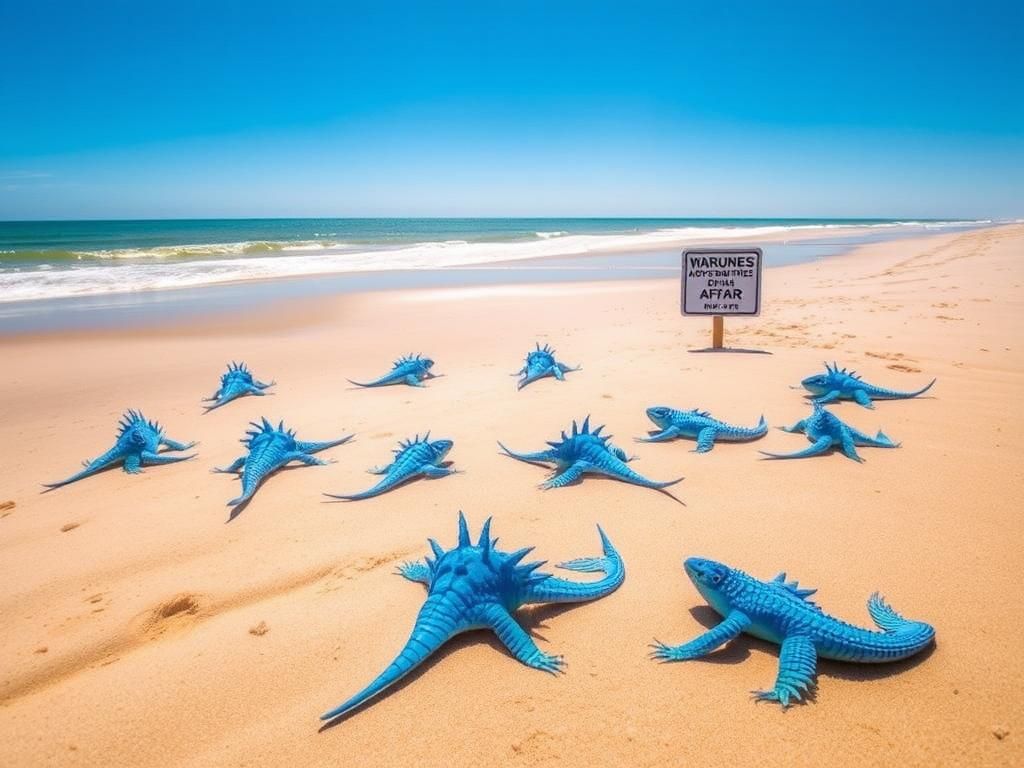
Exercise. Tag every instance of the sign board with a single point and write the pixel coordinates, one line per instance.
(721, 281)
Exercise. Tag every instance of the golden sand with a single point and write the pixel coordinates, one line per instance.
(139, 627)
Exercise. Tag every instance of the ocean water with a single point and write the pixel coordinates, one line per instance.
(63, 259)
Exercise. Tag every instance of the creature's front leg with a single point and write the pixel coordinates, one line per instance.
(413, 381)
(711, 640)
(518, 642)
(417, 571)
(570, 475)
(174, 445)
(133, 464)
(848, 447)
(829, 397)
(666, 434)
(148, 457)
(556, 371)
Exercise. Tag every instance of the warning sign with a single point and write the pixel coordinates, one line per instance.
(721, 281)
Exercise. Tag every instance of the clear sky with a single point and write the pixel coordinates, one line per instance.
(182, 109)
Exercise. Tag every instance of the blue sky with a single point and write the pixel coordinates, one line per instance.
(185, 109)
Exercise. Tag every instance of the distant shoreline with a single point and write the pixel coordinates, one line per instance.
(179, 304)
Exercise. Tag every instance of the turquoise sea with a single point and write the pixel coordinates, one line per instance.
(85, 272)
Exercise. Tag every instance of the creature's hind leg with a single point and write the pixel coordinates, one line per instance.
(862, 398)
(412, 381)
(434, 472)
(798, 663)
(849, 449)
(518, 642)
(706, 440)
(305, 458)
(556, 371)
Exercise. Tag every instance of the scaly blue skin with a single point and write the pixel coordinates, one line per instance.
(418, 457)
(138, 443)
(697, 425)
(480, 587)
(826, 431)
(411, 370)
(835, 384)
(585, 452)
(237, 382)
(269, 449)
(540, 363)
(780, 612)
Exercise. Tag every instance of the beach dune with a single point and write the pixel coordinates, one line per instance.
(141, 627)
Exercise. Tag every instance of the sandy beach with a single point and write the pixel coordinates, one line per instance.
(141, 627)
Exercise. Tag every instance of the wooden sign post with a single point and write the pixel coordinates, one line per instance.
(720, 282)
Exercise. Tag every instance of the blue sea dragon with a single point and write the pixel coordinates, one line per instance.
(781, 612)
(698, 425)
(541, 362)
(411, 370)
(836, 384)
(418, 457)
(826, 431)
(481, 587)
(236, 382)
(585, 452)
(138, 443)
(268, 449)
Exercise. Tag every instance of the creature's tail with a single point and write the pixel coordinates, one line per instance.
(894, 394)
(625, 473)
(249, 487)
(374, 383)
(555, 590)
(900, 637)
(91, 468)
(436, 623)
(528, 457)
(382, 487)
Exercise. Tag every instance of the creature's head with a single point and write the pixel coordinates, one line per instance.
(540, 357)
(491, 572)
(818, 384)
(440, 449)
(660, 415)
(138, 432)
(426, 363)
(710, 578)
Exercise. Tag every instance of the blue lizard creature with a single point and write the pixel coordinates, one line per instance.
(541, 362)
(698, 425)
(236, 382)
(826, 431)
(413, 458)
(781, 612)
(585, 452)
(138, 443)
(269, 449)
(836, 384)
(481, 587)
(411, 370)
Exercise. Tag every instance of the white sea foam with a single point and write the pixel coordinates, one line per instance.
(196, 265)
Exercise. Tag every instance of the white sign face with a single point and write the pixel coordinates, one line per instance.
(721, 281)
